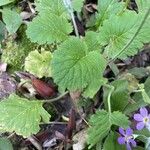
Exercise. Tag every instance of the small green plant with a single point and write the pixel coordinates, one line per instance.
(78, 64)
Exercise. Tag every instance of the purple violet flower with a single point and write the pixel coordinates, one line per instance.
(143, 119)
(127, 138)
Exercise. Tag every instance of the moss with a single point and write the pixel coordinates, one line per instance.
(15, 51)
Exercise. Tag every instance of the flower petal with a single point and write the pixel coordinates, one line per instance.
(132, 142)
(121, 140)
(140, 126)
(128, 146)
(121, 131)
(143, 112)
(129, 131)
(138, 117)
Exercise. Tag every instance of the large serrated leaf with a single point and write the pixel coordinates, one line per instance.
(119, 119)
(12, 20)
(52, 6)
(116, 33)
(77, 4)
(106, 9)
(100, 126)
(101, 123)
(5, 2)
(48, 28)
(42, 60)
(75, 67)
(22, 116)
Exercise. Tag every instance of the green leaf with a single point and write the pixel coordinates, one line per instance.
(51, 24)
(75, 66)
(101, 123)
(42, 60)
(5, 2)
(111, 142)
(107, 9)
(52, 6)
(146, 97)
(77, 5)
(116, 33)
(143, 5)
(140, 72)
(12, 20)
(120, 95)
(5, 144)
(48, 28)
(119, 119)
(139, 102)
(21, 115)
(100, 126)
(92, 40)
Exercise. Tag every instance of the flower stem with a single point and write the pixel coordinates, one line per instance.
(109, 96)
(134, 36)
(55, 99)
(68, 5)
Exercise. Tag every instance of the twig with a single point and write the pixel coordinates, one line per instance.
(131, 40)
(55, 99)
(35, 143)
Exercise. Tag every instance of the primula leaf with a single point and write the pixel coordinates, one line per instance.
(52, 6)
(22, 116)
(42, 60)
(100, 126)
(51, 24)
(75, 66)
(116, 33)
(12, 20)
(77, 5)
(101, 123)
(143, 5)
(119, 119)
(48, 28)
(4, 2)
(106, 9)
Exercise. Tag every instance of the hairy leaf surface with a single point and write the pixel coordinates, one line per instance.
(48, 29)
(101, 123)
(118, 31)
(107, 9)
(4, 2)
(52, 6)
(22, 116)
(77, 5)
(75, 66)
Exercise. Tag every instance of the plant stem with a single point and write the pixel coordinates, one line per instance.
(68, 5)
(74, 24)
(134, 36)
(55, 99)
(109, 96)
